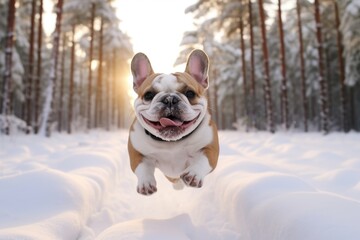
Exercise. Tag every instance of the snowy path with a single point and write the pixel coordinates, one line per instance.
(282, 186)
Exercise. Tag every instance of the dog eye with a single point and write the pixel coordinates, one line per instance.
(149, 96)
(190, 94)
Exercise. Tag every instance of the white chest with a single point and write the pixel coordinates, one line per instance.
(172, 162)
(172, 158)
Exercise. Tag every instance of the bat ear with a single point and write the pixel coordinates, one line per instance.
(140, 69)
(197, 66)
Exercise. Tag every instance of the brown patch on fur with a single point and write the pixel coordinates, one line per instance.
(135, 156)
(190, 84)
(146, 85)
(190, 81)
(211, 151)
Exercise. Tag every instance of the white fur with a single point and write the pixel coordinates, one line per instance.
(166, 83)
(145, 175)
(173, 158)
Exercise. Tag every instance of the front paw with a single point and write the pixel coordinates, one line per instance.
(146, 180)
(146, 188)
(192, 180)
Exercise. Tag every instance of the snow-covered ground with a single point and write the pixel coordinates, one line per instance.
(266, 187)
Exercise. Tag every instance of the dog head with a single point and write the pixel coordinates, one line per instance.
(171, 106)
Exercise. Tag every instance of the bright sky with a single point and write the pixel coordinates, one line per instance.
(156, 28)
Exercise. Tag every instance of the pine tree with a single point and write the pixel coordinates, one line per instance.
(99, 83)
(117, 45)
(39, 65)
(302, 67)
(45, 127)
(6, 107)
(81, 13)
(71, 85)
(30, 73)
(350, 20)
(108, 95)
(89, 107)
(284, 98)
(244, 73)
(114, 88)
(252, 67)
(267, 84)
(343, 111)
(216, 101)
(61, 87)
(323, 93)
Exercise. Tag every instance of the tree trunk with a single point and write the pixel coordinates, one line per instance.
(45, 128)
(302, 68)
(120, 119)
(324, 115)
(108, 95)
(71, 85)
(284, 95)
(234, 106)
(267, 85)
(343, 99)
(328, 75)
(93, 6)
(38, 75)
(223, 122)
(99, 87)
(61, 95)
(6, 106)
(114, 88)
(216, 108)
(252, 69)
(30, 74)
(209, 100)
(243, 63)
(352, 117)
(82, 93)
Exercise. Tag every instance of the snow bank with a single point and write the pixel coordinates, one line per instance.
(13, 124)
(278, 206)
(49, 188)
(179, 227)
(265, 201)
(266, 186)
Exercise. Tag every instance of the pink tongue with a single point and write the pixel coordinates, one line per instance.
(166, 122)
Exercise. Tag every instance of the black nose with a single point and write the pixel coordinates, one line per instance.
(170, 100)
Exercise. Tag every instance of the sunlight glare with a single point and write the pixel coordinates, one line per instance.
(49, 18)
(94, 64)
(156, 28)
(131, 93)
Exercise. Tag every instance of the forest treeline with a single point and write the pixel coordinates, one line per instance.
(281, 64)
(275, 64)
(75, 79)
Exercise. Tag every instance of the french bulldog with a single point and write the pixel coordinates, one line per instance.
(173, 130)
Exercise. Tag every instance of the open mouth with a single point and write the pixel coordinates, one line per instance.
(170, 122)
